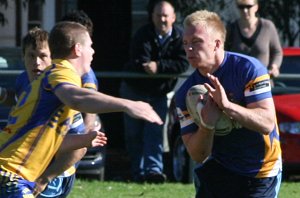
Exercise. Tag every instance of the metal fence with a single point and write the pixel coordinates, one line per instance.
(112, 74)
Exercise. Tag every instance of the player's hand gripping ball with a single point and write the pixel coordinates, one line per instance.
(224, 125)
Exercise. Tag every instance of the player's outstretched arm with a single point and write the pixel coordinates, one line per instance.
(88, 101)
(62, 161)
(77, 141)
(71, 151)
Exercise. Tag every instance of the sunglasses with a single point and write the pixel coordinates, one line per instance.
(242, 7)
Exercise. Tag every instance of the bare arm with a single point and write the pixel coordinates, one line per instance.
(69, 154)
(276, 54)
(85, 100)
(199, 144)
(63, 161)
(76, 141)
(258, 116)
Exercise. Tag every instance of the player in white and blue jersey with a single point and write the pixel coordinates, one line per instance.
(246, 162)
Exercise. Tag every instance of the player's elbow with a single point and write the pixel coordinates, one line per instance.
(267, 129)
(197, 156)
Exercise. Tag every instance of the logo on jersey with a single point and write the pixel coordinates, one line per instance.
(258, 86)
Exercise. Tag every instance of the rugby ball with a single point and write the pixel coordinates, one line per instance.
(224, 125)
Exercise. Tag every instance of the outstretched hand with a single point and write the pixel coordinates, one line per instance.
(142, 110)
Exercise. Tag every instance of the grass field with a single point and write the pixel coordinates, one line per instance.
(96, 189)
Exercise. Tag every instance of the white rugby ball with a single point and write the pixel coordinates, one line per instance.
(194, 105)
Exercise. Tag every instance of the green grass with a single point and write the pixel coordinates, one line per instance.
(93, 188)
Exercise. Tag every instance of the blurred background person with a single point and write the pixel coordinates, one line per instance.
(255, 36)
(156, 49)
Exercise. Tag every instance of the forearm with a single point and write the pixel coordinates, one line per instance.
(88, 101)
(260, 119)
(199, 144)
(63, 161)
(276, 54)
(77, 141)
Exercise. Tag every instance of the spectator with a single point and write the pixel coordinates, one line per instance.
(255, 36)
(44, 111)
(155, 49)
(247, 161)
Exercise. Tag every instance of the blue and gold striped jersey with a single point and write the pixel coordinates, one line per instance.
(38, 123)
(243, 151)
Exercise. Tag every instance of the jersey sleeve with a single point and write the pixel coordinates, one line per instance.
(89, 80)
(58, 77)
(258, 86)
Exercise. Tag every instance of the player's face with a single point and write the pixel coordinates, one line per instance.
(87, 54)
(199, 46)
(163, 17)
(36, 60)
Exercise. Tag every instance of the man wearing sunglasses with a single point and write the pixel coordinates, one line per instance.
(255, 36)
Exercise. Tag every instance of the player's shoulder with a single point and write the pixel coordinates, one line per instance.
(237, 59)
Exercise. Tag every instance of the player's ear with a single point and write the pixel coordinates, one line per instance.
(217, 44)
(77, 49)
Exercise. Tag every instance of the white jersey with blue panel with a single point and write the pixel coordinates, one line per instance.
(246, 152)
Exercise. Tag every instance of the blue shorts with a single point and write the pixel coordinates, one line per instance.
(14, 186)
(212, 180)
(59, 187)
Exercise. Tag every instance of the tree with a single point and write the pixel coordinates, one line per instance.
(3, 3)
(286, 16)
(284, 13)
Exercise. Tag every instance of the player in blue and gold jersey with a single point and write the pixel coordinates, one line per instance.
(39, 122)
(36, 56)
(247, 161)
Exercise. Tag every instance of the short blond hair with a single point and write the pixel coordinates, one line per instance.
(242, 1)
(210, 20)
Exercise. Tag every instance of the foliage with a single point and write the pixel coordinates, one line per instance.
(4, 3)
(222, 7)
(285, 15)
